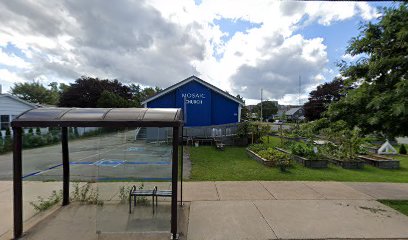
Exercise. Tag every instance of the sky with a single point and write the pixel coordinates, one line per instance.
(239, 46)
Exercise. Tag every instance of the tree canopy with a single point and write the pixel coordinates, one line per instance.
(94, 92)
(35, 92)
(379, 102)
(86, 91)
(268, 108)
(140, 94)
(320, 98)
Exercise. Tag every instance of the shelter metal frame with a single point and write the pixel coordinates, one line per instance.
(92, 117)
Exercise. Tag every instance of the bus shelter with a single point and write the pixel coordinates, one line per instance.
(65, 118)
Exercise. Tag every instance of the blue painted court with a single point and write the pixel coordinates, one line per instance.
(109, 157)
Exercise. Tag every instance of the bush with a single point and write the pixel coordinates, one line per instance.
(283, 164)
(243, 129)
(258, 147)
(8, 144)
(402, 149)
(38, 131)
(278, 158)
(303, 150)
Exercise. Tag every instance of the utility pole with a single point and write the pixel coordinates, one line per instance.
(300, 84)
(261, 105)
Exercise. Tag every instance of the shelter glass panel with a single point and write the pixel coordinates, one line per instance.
(129, 167)
(42, 172)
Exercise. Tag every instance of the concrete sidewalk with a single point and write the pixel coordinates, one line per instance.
(252, 209)
(294, 210)
(284, 190)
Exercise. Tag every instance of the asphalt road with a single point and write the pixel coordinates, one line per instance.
(114, 156)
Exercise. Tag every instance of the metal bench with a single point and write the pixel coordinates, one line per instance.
(134, 193)
(219, 145)
(162, 193)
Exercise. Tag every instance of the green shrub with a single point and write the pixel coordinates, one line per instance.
(258, 147)
(8, 144)
(278, 158)
(283, 164)
(38, 131)
(402, 149)
(303, 150)
(31, 131)
(86, 194)
(43, 204)
(76, 133)
(8, 133)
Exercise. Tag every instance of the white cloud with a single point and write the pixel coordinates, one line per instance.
(7, 76)
(160, 42)
(279, 74)
(12, 60)
(350, 58)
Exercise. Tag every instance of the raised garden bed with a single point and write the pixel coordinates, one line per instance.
(320, 163)
(259, 159)
(372, 149)
(381, 162)
(355, 164)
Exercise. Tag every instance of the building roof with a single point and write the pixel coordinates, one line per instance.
(100, 117)
(197, 79)
(19, 100)
(292, 111)
(280, 113)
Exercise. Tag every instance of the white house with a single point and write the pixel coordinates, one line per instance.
(10, 107)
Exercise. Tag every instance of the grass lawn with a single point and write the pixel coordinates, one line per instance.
(233, 164)
(399, 205)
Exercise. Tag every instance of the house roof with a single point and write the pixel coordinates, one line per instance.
(19, 100)
(197, 79)
(100, 117)
(280, 113)
(292, 111)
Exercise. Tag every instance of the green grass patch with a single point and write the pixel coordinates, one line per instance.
(399, 205)
(233, 164)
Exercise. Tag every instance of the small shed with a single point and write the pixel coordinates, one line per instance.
(92, 117)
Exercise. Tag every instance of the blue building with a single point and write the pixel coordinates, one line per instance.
(203, 104)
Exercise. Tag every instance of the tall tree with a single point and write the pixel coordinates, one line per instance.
(268, 108)
(380, 100)
(109, 100)
(35, 92)
(140, 94)
(320, 98)
(86, 91)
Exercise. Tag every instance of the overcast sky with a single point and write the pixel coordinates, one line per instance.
(239, 46)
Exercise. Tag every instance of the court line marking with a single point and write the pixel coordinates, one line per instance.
(135, 179)
(55, 166)
(102, 163)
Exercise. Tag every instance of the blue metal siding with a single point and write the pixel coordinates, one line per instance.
(198, 103)
(166, 101)
(204, 106)
(224, 110)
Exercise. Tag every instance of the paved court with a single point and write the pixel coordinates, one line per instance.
(217, 210)
(114, 156)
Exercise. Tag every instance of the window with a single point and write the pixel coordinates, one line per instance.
(4, 121)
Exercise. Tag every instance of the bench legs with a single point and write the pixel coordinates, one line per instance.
(135, 201)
